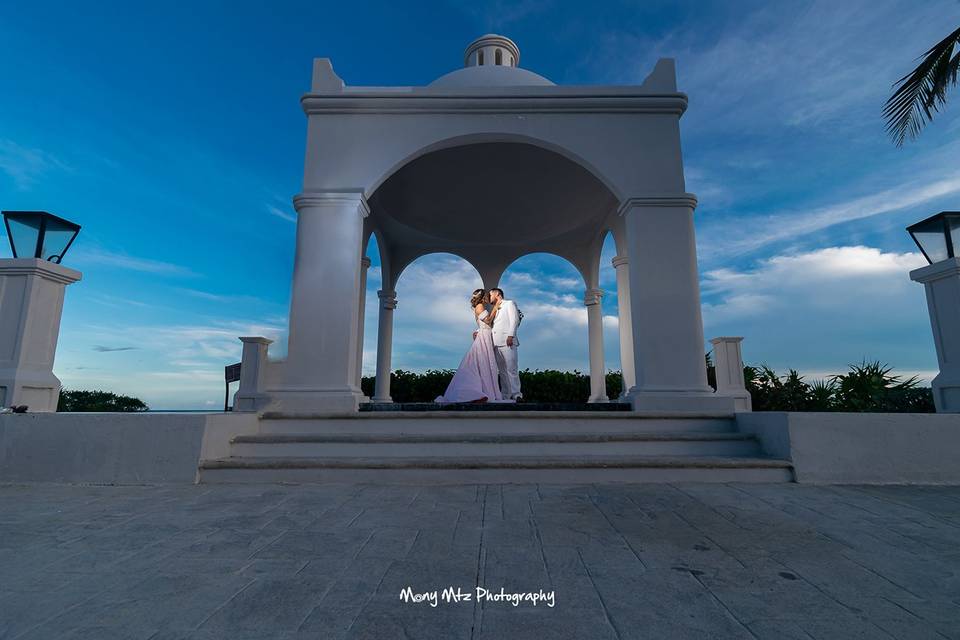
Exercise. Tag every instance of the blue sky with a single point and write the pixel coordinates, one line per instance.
(173, 133)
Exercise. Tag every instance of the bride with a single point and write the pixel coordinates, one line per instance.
(476, 377)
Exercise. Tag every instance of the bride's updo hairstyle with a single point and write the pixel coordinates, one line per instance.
(479, 296)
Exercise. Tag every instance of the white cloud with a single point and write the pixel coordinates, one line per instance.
(829, 277)
(97, 256)
(217, 297)
(24, 165)
(742, 235)
(502, 13)
(819, 310)
(281, 213)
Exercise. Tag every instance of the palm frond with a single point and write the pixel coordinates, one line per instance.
(920, 94)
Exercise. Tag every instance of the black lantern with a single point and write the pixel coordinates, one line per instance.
(38, 234)
(938, 236)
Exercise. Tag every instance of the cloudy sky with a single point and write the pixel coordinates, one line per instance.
(172, 132)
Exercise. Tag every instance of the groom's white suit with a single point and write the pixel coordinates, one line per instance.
(505, 326)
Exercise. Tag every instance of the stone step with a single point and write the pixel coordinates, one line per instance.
(494, 444)
(501, 470)
(434, 422)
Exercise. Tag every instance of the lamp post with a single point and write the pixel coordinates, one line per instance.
(939, 238)
(32, 285)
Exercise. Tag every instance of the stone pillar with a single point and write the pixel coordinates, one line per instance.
(626, 326)
(388, 302)
(598, 374)
(364, 267)
(320, 374)
(668, 344)
(728, 365)
(251, 395)
(31, 303)
(941, 281)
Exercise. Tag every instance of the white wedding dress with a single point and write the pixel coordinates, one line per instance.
(477, 376)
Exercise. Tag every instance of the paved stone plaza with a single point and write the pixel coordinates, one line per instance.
(624, 561)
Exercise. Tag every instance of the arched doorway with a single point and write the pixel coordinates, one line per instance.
(433, 325)
(490, 203)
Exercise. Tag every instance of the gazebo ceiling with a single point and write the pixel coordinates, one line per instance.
(501, 193)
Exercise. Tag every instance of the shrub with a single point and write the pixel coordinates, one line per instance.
(872, 387)
(98, 401)
(867, 387)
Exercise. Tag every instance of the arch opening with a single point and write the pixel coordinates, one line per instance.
(433, 322)
(549, 290)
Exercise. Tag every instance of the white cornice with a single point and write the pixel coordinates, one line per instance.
(332, 199)
(948, 268)
(41, 268)
(481, 102)
(659, 200)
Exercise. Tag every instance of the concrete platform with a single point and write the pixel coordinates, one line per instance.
(822, 448)
(198, 562)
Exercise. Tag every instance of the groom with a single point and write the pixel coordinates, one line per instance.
(505, 344)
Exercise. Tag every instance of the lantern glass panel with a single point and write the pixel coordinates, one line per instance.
(24, 231)
(58, 235)
(954, 224)
(929, 235)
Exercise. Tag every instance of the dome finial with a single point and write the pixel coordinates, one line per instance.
(492, 49)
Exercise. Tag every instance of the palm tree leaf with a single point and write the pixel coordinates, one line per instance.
(920, 94)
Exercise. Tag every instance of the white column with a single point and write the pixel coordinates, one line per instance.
(320, 371)
(598, 374)
(388, 302)
(364, 267)
(728, 366)
(626, 326)
(668, 344)
(31, 304)
(251, 395)
(941, 281)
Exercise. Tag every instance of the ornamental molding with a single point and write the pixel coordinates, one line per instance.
(592, 297)
(388, 299)
(40, 269)
(937, 271)
(332, 199)
(479, 101)
(687, 200)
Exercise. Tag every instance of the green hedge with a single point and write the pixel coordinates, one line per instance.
(538, 386)
(867, 387)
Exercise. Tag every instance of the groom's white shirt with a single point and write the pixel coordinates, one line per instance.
(505, 324)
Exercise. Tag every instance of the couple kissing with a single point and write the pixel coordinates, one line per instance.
(488, 372)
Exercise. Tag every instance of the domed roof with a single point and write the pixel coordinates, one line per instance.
(491, 61)
(491, 76)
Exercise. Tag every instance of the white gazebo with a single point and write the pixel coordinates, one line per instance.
(492, 162)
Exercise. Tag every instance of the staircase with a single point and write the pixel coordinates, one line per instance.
(417, 446)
